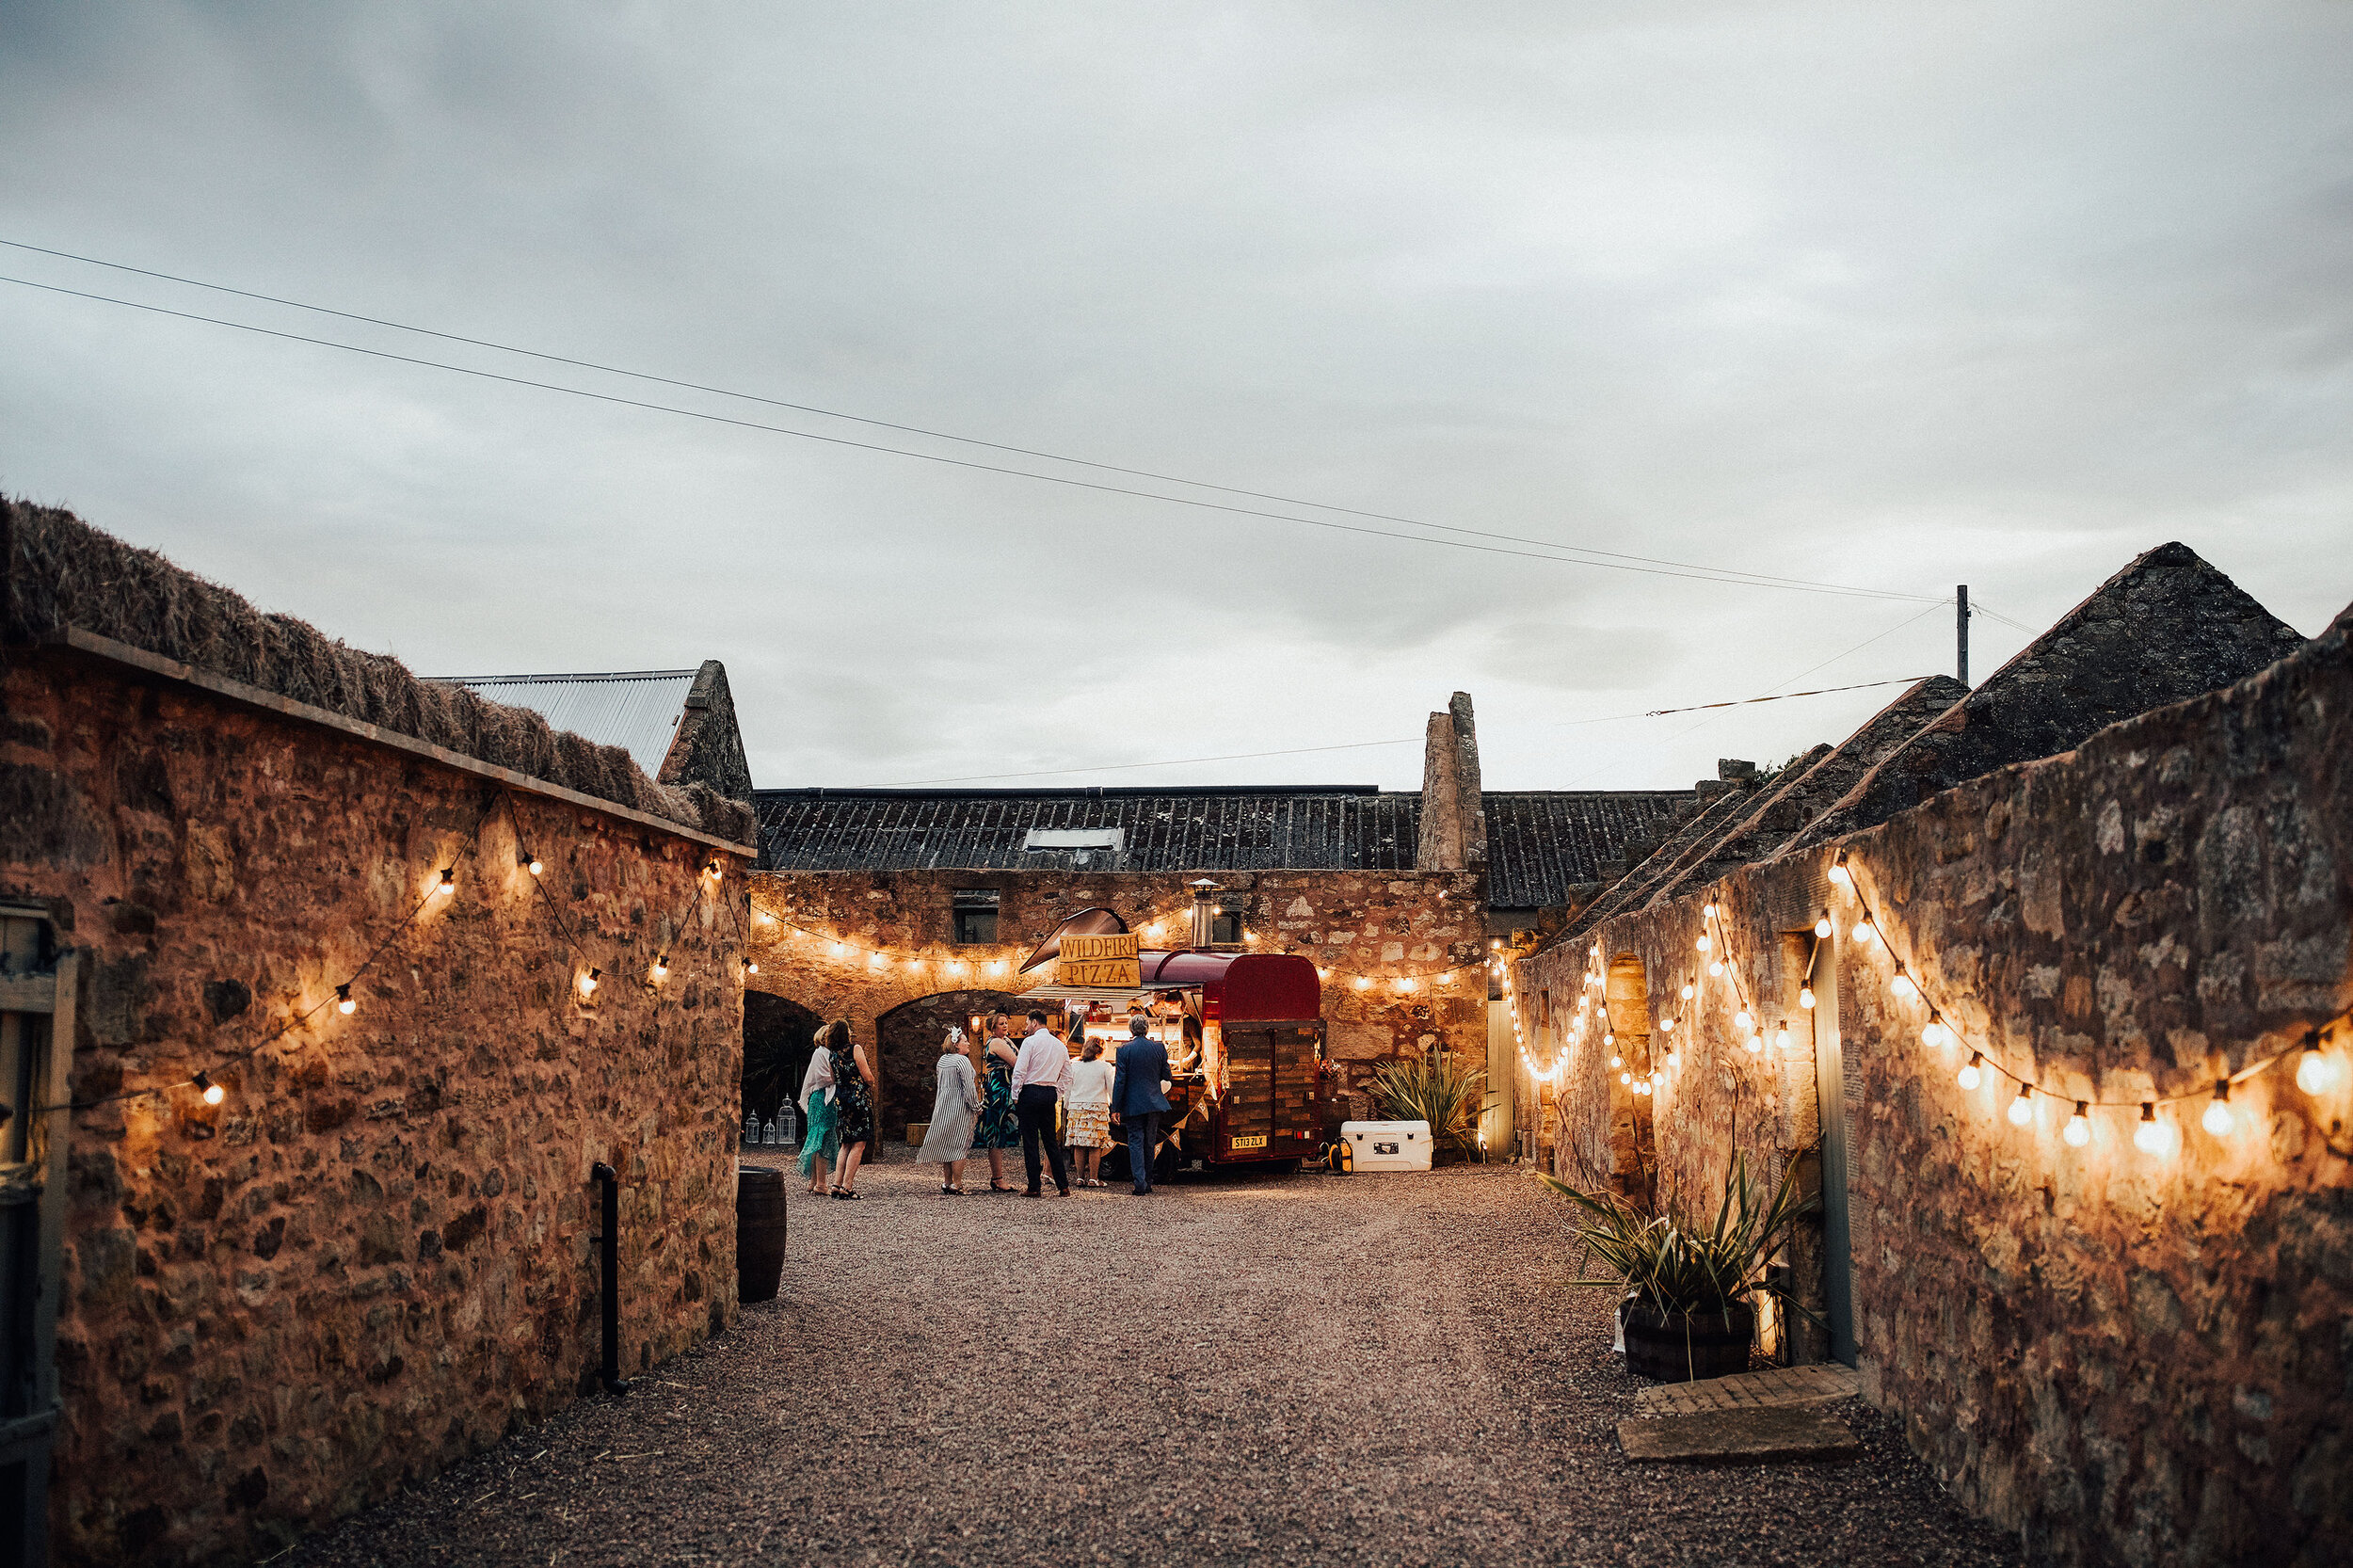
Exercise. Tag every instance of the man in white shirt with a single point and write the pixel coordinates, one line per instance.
(1040, 1075)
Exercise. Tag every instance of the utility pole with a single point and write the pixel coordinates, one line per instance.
(1961, 628)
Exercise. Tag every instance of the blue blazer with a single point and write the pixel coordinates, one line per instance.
(1136, 1083)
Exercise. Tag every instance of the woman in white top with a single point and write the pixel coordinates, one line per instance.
(822, 1141)
(1088, 1110)
(954, 1108)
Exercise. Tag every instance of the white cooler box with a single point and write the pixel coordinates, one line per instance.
(1387, 1145)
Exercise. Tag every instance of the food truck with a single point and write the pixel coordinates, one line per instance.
(1249, 1080)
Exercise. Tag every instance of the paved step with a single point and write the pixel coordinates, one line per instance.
(1782, 1385)
(1751, 1434)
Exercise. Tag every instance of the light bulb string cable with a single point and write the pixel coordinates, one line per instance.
(1983, 1058)
(295, 1021)
(675, 924)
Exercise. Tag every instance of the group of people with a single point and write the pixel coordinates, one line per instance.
(1014, 1096)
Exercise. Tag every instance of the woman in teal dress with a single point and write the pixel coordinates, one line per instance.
(998, 1129)
(821, 1137)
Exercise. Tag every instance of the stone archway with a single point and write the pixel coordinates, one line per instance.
(779, 1035)
(908, 1038)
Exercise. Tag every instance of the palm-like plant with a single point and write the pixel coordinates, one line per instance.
(1673, 1265)
(1432, 1089)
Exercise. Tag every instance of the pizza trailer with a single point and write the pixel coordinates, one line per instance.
(1249, 1080)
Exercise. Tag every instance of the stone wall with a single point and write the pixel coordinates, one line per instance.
(1377, 927)
(376, 1255)
(2125, 1357)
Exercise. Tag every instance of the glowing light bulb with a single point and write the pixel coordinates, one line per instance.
(1362, 982)
(1782, 1039)
(1904, 987)
(2078, 1129)
(1708, 911)
(1674, 1059)
(1495, 942)
(1741, 1019)
(2314, 1073)
(1608, 1038)
(536, 865)
(448, 885)
(1970, 1074)
(1666, 1026)
(2151, 1136)
(1754, 1044)
(1405, 984)
(1617, 1061)
(1704, 943)
(1821, 928)
(343, 1002)
(1715, 968)
(1839, 873)
(1322, 973)
(2022, 1107)
(2218, 1119)
(838, 948)
(751, 966)
(712, 870)
(1805, 998)
(1688, 992)
(662, 967)
(997, 967)
(589, 981)
(214, 1094)
(1625, 1077)
(1862, 931)
(1934, 1034)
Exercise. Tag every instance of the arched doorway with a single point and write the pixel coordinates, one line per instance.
(778, 1036)
(909, 1036)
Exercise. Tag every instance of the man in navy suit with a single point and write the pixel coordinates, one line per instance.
(1137, 1099)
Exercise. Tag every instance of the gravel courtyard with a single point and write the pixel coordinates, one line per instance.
(1310, 1370)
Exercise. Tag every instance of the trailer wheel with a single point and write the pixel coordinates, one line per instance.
(1166, 1163)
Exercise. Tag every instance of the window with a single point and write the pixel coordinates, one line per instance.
(975, 911)
(1226, 925)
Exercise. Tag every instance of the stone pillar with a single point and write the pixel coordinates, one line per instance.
(1471, 805)
(1440, 848)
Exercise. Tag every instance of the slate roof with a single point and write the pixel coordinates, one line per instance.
(1540, 844)
(635, 709)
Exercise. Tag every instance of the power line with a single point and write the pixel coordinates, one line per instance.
(1653, 564)
(1361, 746)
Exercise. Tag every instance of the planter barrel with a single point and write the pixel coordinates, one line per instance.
(1678, 1347)
(758, 1232)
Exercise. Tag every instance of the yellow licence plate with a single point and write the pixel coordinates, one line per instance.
(1257, 1142)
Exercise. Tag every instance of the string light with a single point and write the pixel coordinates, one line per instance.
(1742, 1020)
(1805, 998)
(712, 870)
(1839, 872)
(2218, 1119)
(1674, 1059)
(1971, 1074)
(1708, 911)
(2151, 1136)
(2022, 1107)
(535, 866)
(1904, 987)
(214, 1094)
(1935, 1033)
(1666, 1026)
(1716, 967)
(1689, 991)
(1625, 1077)
(1617, 1061)
(1702, 944)
(2314, 1073)
(2078, 1129)
(448, 884)
(1405, 984)
(343, 1002)
(1822, 929)
(1754, 1044)
(1780, 1039)
(589, 981)
(1864, 931)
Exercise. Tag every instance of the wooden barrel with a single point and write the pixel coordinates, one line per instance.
(758, 1232)
(1677, 1347)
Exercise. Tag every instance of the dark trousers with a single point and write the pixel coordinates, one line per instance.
(1035, 1109)
(1143, 1137)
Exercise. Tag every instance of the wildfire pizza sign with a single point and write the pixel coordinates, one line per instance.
(1110, 959)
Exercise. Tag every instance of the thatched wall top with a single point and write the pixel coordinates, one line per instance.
(62, 572)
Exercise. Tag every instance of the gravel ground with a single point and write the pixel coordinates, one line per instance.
(1306, 1370)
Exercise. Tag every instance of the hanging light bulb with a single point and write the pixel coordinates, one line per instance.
(1322, 973)
(1362, 982)
(2151, 1136)
(1805, 998)
(712, 870)
(751, 966)
(1405, 984)
(1666, 1026)
(1704, 944)
(1821, 928)
(2218, 1119)
(1609, 1037)
(1674, 1059)
(1864, 931)
(1496, 943)
(1741, 1020)
(997, 968)
(2078, 1129)
(1689, 991)
(1904, 987)
(662, 967)
(1971, 1074)
(1716, 967)
(535, 865)
(1708, 911)
(589, 981)
(214, 1094)
(2314, 1073)
(1754, 1044)
(2022, 1107)
(838, 948)
(448, 884)
(1934, 1034)
(1839, 872)
(343, 1002)
(1617, 1061)
(1780, 1039)
(1625, 1077)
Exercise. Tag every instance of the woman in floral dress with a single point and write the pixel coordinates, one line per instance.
(998, 1129)
(854, 1101)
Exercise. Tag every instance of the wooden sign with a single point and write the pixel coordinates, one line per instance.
(1107, 960)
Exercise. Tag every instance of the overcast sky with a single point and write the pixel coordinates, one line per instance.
(1888, 296)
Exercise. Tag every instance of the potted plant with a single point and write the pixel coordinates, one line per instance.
(1689, 1307)
(1432, 1089)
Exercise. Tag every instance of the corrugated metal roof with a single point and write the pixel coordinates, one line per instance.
(1542, 842)
(635, 709)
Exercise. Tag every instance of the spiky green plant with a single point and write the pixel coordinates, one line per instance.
(1676, 1264)
(1432, 1089)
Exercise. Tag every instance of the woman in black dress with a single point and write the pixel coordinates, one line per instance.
(853, 1100)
